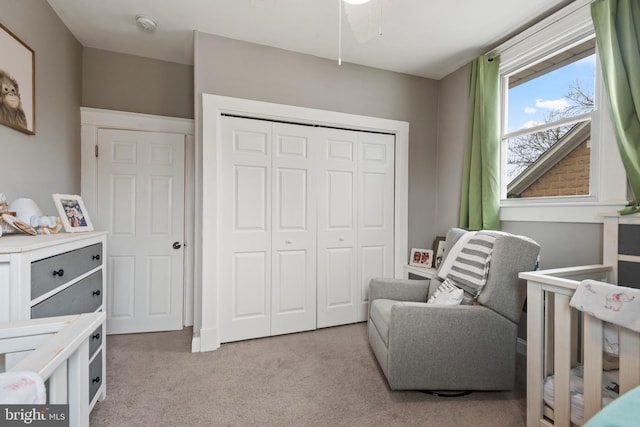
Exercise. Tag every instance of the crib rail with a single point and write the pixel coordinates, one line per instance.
(554, 345)
(59, 353)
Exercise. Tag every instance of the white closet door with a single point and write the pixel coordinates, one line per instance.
(293, 294)
(375, 213)
(245, 234)
(338, 291)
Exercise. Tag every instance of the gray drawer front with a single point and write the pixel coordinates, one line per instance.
(629, 239)
(629, 274)
(83, 297)
(95, 340)
(71, 264)
(95, 376)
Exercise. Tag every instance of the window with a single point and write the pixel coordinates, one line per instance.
(547, 125)
(559, 157)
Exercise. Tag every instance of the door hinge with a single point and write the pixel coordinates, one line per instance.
(96, 150)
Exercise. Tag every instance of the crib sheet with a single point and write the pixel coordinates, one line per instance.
(576, 388)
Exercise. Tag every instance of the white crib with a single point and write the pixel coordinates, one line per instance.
(57, 349)
(560, 337)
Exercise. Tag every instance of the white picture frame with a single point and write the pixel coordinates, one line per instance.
(421, 258)
(73, 213)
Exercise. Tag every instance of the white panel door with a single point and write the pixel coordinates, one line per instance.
(293, 293)
(141, 203)
(338, 291)
(375, 213)
(245, 229)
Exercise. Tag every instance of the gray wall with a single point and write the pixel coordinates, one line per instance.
(35, 166)
(117, 81)
(563, 244)
(244, 70)
(452, 132)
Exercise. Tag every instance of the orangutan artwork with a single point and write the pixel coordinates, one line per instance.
(17, 83)
(11, 112)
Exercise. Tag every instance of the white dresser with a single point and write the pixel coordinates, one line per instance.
(56, 275)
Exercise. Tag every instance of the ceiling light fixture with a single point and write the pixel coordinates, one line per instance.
(146, 24)
(351, 2)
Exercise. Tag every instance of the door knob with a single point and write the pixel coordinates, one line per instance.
(341, 238)
(288, 241)
(176, 245)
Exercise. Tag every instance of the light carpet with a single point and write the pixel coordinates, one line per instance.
(327, 377)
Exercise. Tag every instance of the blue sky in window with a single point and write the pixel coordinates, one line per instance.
(530, 102)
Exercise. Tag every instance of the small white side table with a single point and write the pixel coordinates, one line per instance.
(427, 273)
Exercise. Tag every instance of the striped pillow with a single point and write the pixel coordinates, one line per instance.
(447, 293)
(471, 266)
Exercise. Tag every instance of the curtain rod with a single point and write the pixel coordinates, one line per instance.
(539, 26)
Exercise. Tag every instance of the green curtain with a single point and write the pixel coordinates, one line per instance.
(480, 200)
(617, 26)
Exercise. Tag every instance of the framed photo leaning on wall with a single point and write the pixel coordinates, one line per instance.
(421, 258)
(439, 245)
(72, 212)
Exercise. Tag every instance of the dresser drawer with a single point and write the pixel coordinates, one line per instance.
(95, 375)
(83, 297)
(49, 273)
(95, 340)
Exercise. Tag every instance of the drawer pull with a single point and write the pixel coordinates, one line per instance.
(96, 380)
(58, 272)
(96, 293)
(95, 337)
(96, 257)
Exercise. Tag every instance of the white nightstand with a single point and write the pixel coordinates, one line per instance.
(427, 273)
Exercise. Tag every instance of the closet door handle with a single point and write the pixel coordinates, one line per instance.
(341, 239)
(288, 241)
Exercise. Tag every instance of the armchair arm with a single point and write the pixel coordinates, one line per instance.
(398, 289)
(450, 347)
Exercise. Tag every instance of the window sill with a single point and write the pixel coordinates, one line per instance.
(577, 212)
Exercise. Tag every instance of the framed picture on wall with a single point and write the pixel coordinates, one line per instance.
(17, 83)
(72, 212)
(421, 258)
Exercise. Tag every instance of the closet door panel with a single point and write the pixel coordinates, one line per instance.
(293, 299)
(249, 285)
(337, 231)
(245, 232)
(375, 212)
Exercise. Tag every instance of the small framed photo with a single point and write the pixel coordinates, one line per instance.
(421, 258)
(439, 245)
(72, 212)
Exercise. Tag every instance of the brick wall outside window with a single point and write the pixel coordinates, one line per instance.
(570, 177)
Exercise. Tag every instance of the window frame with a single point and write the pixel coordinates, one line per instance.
(564, 29)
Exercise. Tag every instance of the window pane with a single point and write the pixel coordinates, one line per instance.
(559, 87)
(551, 163)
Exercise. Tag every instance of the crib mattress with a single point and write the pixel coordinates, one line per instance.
(576, 388)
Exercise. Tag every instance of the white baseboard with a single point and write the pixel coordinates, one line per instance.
(206, 340)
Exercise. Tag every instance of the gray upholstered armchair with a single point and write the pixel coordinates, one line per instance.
(472, 346)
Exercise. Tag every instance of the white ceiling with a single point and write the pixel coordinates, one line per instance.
(428, 38)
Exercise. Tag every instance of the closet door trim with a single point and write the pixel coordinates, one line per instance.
(206, 325)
